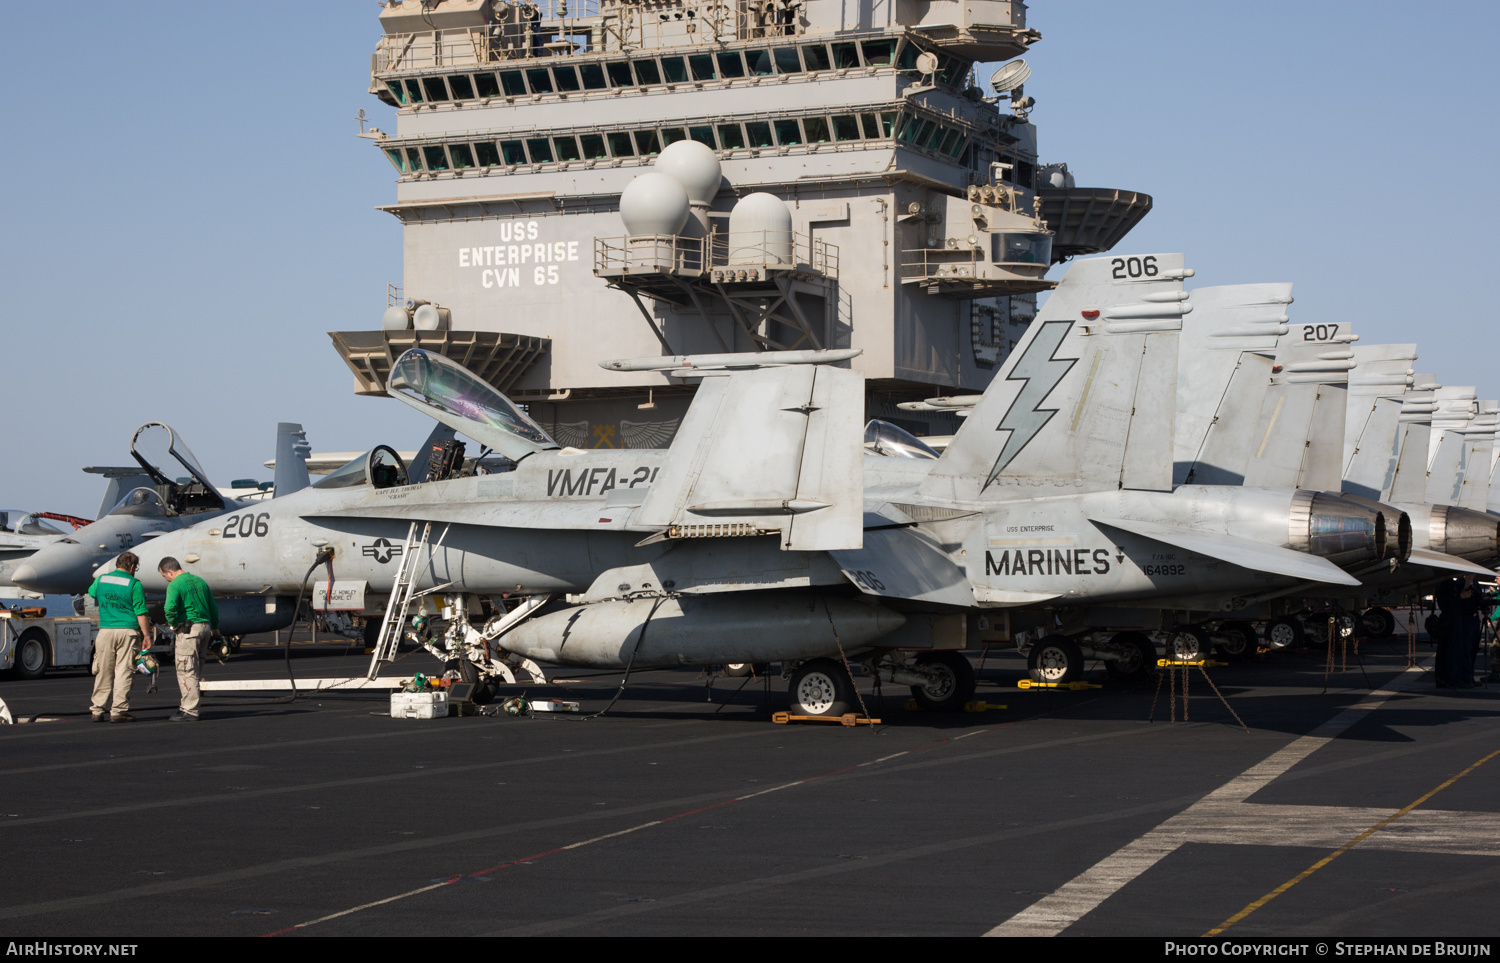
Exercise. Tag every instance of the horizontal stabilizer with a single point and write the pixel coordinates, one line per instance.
(1256, 556)
(902, 563)
(1452, 563)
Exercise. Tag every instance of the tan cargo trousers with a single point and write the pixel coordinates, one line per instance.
(114, 668)
(188, 651)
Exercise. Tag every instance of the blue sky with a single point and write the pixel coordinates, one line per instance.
(190, 210)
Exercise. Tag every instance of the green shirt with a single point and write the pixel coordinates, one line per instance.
(189, 600)
(120, 599)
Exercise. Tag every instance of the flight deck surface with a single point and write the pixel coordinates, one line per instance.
(686, 812)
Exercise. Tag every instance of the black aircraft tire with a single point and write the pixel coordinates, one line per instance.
(820, 687)
(1138, 660)
(1241, 642)
(33, 654)
(736, 670)
(956, 688)
(1283, 633)
(1377, 623)
(1055, 658)
(1188, 643)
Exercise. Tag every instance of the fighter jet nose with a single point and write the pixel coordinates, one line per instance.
(56, 570)
(23, 574)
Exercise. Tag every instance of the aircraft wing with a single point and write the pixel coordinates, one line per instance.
(1243, 552)
(1431, 559)
(903, 563)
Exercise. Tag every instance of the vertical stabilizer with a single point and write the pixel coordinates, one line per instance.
(1299, 439)
(1475, 458)
(1377, 389)
(1070, 409)
(291, 459)
(1409, 483)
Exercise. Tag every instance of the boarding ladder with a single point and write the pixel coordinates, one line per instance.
(407, 573)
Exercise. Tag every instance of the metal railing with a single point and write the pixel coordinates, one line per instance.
(675, 254)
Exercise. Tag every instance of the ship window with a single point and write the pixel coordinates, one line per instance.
(513, 152)
(413, 158)
(513, 82)
(787, 62)
(398, 91)
(760, 63)
(436, 159)
(817, 130)
(908, 129)
(703, 135)
(872, 126)
(671, 135)
(845, 55)
(462, 87)
(567, 148)
(787, 133)
(731, 136)
(566, 77)
(816, 57)
(952, 143)
(888, 122)
(436, 89)
(935, 141)
(702, 65)
(397, 161)
(593, 77)
(540, 150)
(1025, 173)
(920, 138)
(619, 75)
(463, 158)
(846, 126)
(760, 134)
(487, 85)
(647, 73)
(488, 156)
(907, 60)
(540, 80)
(620, 146)
(878, 52)
(413, 92)
(646, 143)
(730, 65)
(675, 70)
(952, 70)
(593, 147)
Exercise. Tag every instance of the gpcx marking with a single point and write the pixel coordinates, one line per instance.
(590, 481)
(382, 550)
(1040, 561)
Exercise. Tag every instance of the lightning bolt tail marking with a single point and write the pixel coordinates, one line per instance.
(1042, 371)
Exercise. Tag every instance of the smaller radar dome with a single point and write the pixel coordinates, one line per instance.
(654, 203)
(395, 319)
(695, 167)
(760, 230)
(430, 317)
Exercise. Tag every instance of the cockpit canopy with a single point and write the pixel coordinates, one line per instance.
(26, 523)
(884, 438)
(379, 467)
(158, 449)
(140, 503)
(455, 396)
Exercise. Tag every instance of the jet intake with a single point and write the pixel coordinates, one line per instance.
(1468, 534)
(702, 630)
(1336, 528)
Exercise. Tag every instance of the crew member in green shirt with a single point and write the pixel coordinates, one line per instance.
(123, 627)
(194, 617)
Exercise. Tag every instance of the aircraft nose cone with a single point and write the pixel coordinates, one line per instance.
(56, 570)
(23, 574)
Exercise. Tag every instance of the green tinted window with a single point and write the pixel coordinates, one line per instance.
(413, 159)
(413, 92)
(593, 147)
(540, 80)
(921, 136)
(397, 160)
(567, 148)
(787, 133)
(909, 127)
(487, 154)
(872, 126)
(936, 140)
(760, 63)
(461, 86)
(888, 122)
(951, 142)
(787, 62)
(539, 149)
(486, 85)
(619, 75)
(620, 146)
(730, 65)
(846, 126)
(878, 53)
(671, 135)
(907, 59)
(566, 78)
(816, 57)
(702, 66)
(436, 90)
(731, 136)
(845, 55)
(463, 158)
(512, 82)
(759, 133)
(397, 91)
(513, 152)
(646, 143)
(436, 159)
(817, 130)
(953, 70)
(703, 135)
(674, 69)
(647, 73)
(593, 77)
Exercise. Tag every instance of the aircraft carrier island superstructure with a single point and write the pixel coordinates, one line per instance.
(796, 174)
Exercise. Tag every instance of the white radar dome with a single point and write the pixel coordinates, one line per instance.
(654, 203)
(395, 319)
(760, 230)
(695, 167)
(430, 317)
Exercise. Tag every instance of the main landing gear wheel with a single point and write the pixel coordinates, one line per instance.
(1241, 641)
(32, 656)
(736, 670)
(1137, 656)
(1055, 658)
(1284, 633)
(954, 687)
(821, 687)
(1377, 623)
(1188, 643)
